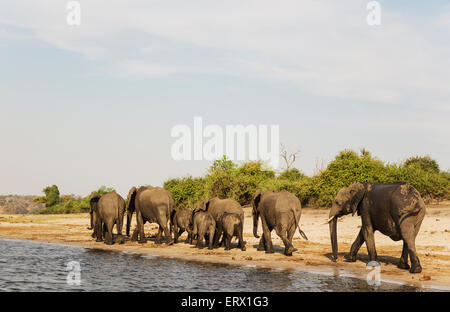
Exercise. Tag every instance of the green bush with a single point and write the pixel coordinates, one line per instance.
(186, 192)
(51, 196)
(70, 204)
(425, 163)
(348, 167)
(225, 179)
(302, 188)
(431, 185)
(291, 175)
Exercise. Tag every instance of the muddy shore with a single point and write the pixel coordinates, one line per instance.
(433, 245)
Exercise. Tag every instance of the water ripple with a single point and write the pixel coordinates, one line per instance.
(34, 266)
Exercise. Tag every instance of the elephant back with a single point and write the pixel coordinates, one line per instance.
(287, 199)
(111, 202)
(154, 197)
(229, 205)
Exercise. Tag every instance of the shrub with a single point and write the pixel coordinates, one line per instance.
(186, 192)
(431, 185)
(71, 204)
(291, 175)
(51, 195)
(348, 167)
(225, 179)
(425, 163)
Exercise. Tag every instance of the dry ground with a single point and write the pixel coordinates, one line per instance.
(433, 245)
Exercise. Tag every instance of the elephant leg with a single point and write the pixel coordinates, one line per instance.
(225, 239)
(370, 241)
(188, 239)
(408, 232)
(217, 235)
(134, 237)
(109, 236)
(99, 231)
(189, 236)
(140, 226)
(169, 240)
(267, 238)
(91, 226)
(288, 248)
(241, 241)
(95, 227)
(228, 241)
(210, 240)
(262, 244)
(351, 256)
(200, 237)
(119, 232)
(403, 262)
(158, 236)
(180, 232)
(194, 234)
(175, 233)
(290, 233)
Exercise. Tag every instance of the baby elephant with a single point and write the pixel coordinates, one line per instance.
(231, 225)
(180, 220)
(203, 223)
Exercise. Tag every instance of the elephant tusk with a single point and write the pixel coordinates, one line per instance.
(329, 220)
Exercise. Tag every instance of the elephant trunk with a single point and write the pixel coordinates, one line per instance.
(255, 225)
(332, 221)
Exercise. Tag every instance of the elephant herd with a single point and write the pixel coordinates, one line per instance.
(395, 209)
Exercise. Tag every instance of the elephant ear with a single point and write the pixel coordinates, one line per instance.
(94, 201)
(131, 198)
(357, 192)
(256, 199)
(205, 204)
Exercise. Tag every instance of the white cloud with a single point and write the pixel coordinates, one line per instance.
(325, 47)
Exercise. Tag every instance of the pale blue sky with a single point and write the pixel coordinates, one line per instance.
(93, 105)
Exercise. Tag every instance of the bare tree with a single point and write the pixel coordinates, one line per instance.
(289, 159)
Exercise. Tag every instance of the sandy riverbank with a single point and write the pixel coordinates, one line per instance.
(433, 245)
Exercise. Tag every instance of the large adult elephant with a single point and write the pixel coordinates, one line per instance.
(152, 204)
(217, 207)
(396, 210)
(108, 210)
(280, 211)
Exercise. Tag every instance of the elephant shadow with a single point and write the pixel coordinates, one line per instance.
(276, 248)
(364, 257)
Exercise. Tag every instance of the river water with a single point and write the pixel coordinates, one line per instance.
(34, 266)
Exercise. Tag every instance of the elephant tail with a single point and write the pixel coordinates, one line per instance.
(297, 225)
(302, 233)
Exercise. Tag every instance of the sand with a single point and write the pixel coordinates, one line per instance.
(433, 245)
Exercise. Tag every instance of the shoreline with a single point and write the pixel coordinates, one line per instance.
(310, 256)
(255, 264)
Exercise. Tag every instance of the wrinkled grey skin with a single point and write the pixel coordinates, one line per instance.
(108, 210)
(91, 212)
(217, 207)
(230, 225)
(154, 205)
(203, 223)
(396, 210)
(180, 221)
(279, 211)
